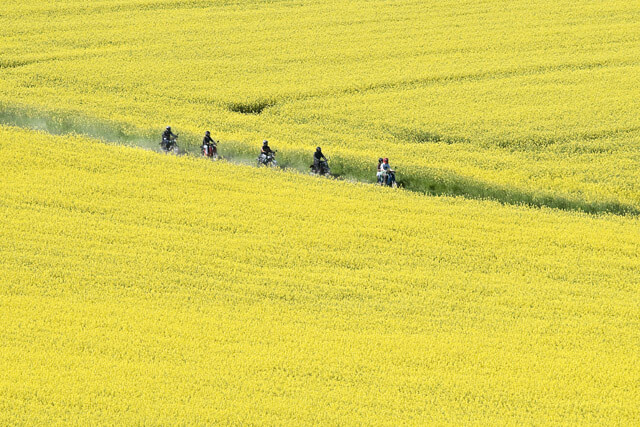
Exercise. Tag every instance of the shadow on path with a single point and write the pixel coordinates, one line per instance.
(418, 179)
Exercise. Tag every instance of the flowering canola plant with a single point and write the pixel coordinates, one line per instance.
(522, 101)
(143, 288)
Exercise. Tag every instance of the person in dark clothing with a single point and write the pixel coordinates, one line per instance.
(319, 162)
(318, 156)
(207, 138)
(265, 148)
(168, 138)
(168, 135)
(267, 155)
(209, 148)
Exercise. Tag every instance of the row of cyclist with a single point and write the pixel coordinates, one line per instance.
(384, 176)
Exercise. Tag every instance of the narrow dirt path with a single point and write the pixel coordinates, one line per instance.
(451, 185)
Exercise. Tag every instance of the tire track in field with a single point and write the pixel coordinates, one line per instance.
(10, 63)
(422, 180)
(263, 105)
(66, 55)
(123, 7)
(459, 78)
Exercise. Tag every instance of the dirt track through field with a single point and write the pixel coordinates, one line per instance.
(455, 185)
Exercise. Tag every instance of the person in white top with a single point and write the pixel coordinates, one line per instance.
(388, 175)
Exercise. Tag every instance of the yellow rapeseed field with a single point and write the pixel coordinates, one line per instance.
(522, 101)
(139, 288)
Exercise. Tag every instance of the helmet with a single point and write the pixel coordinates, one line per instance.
(168, 127)
(265, 142)
(386, 160)
(380, 160)
(318, 149)
(207, 133)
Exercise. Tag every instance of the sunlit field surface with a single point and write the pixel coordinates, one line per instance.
(143, 288)
(520, 101)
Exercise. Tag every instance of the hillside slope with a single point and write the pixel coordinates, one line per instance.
(521, 101)
(142, 288)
